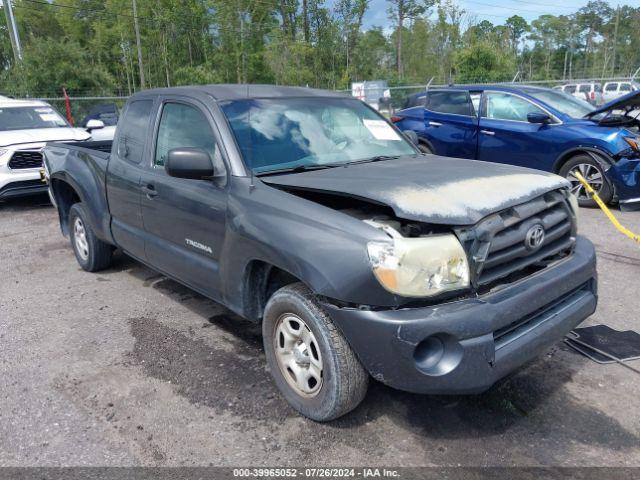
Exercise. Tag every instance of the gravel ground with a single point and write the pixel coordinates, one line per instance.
(126, 367)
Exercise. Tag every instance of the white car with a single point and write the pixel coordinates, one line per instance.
(613, 90)
(590, 91)
(25, 127)
(99, 132)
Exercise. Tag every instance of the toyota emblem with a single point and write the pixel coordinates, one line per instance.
(534, 238)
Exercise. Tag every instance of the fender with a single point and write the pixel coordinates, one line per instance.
(280, 229)
(598, 154)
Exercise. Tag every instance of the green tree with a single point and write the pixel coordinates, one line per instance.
(482, 63)
(49, 66)
(400, 11)
(518, 26)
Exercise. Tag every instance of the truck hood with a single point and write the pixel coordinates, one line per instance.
(429, 188)
(41, 135)
(628, 102)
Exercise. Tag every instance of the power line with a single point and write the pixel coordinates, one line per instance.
(516, 9)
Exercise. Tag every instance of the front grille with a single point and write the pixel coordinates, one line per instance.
(26, 159)
(498, 249)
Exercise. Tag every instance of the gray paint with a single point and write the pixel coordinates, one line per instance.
(429, 188)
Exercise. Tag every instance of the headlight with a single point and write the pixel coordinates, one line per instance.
(633, 143)
(420, 267)
(3, 151)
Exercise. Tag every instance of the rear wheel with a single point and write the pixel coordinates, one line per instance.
(594, 173)
(92, 253)
(424, 148)
(310, 361)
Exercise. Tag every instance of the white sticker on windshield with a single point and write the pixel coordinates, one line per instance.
(44, 110)
(49, 117)
(380, 129)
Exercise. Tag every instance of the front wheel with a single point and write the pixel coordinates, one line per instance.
(594, 174)
(311, 363)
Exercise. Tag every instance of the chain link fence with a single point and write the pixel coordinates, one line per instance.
(81, 106)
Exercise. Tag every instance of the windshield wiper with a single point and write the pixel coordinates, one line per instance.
(308, 168)
(298, 169)
(377, 158)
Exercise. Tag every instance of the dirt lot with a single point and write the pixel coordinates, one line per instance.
(127, 367)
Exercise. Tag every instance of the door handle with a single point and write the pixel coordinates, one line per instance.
(487, 132)
(149, 190)
(434, 124)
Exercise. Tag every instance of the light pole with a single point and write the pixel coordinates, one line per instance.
(13, 30)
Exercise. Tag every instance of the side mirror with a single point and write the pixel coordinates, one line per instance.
(538, 117)
(411, 136)
(94, 124)
(192, 163)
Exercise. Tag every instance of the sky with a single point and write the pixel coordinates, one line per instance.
(496, 11)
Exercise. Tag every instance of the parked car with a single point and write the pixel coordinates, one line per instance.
(99, 132)
(537, 128)
(306, 211)
(25, 127)
(101, 121)
(589, 91)
(613, 90)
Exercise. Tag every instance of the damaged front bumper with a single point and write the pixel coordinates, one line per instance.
(625, 175)
(467, 345)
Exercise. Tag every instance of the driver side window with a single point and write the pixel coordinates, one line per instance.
(504, 106)
(185, 126)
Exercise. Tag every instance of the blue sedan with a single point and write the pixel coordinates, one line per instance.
(537, 128)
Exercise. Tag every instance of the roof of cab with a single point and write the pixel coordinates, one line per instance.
(6, 102)
(225, 92)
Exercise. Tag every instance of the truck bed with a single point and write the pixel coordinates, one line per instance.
(83, 165)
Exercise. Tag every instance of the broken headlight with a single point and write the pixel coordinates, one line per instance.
(420, 267)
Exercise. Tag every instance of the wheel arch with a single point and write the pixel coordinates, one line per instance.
(260, 280)
(65, 195)
(426, 142)
(599, 155)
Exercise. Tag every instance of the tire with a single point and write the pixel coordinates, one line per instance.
(91, 253)
(424, 148)
(342, 382)
(593, 171)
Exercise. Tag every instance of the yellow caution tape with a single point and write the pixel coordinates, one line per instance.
(607, 212)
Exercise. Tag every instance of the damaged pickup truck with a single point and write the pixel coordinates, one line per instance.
(309, 213)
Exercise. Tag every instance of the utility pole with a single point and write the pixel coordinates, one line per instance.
(137, 28)
(615, 42)
(13, 30)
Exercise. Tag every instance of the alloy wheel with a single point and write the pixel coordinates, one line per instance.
(593, 176)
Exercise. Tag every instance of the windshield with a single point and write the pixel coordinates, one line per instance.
(567, 104)
(288, 133)
(28, 118)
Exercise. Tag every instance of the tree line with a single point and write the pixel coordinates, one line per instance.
(116, 47)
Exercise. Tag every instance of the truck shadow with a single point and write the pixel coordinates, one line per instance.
(230, 376)
(21, 204)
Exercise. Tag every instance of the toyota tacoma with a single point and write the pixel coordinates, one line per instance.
(305, 211)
